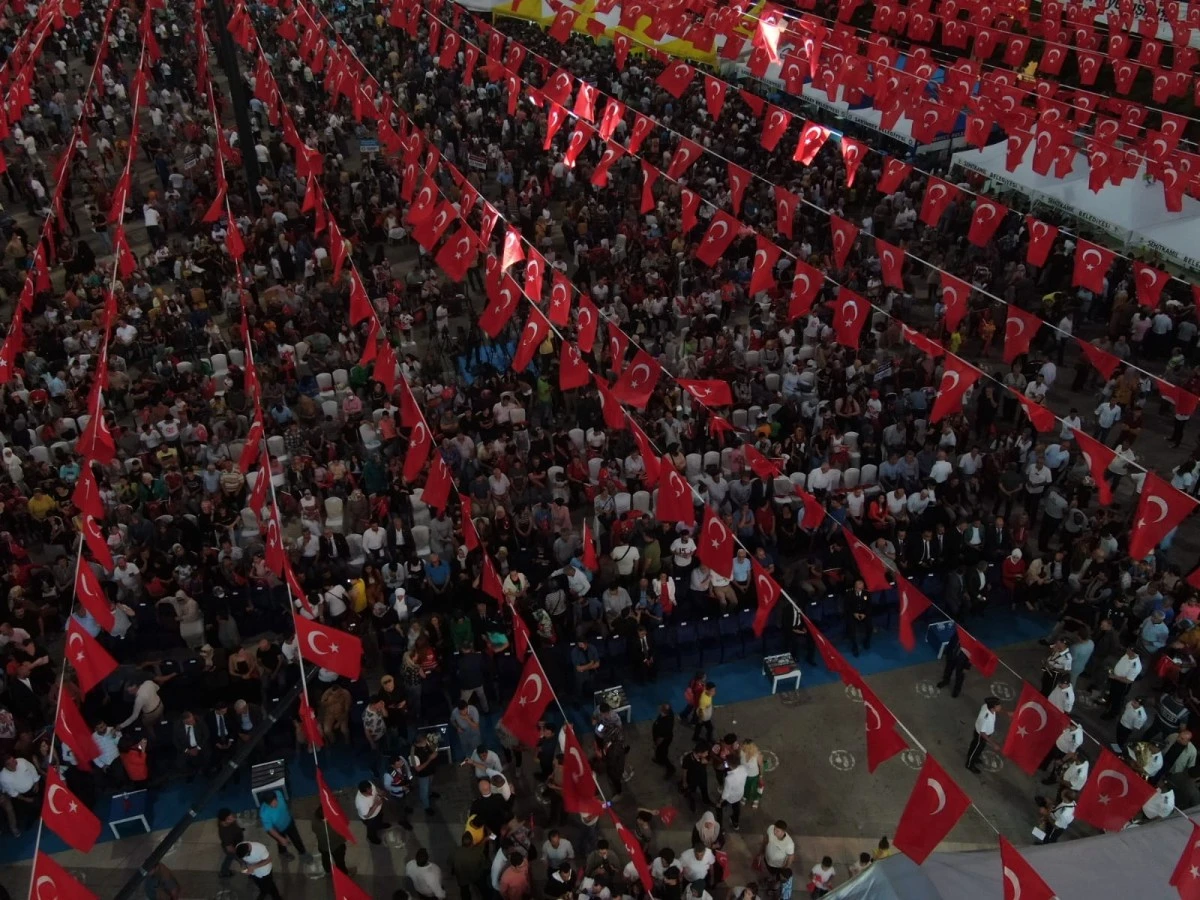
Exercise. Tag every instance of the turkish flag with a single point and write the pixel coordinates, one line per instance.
(345, 888)
(1041, 418)
(560, 299)
(1113, 795)
(502, 303)
(96, 442)
(1092, 263)
(489, 580)
(985, 220)
(883, 742)
(308, 721)
(768, 592)
(1150, 282)
(844, 235)
(636, 856)
(61, 883)
(92, 663)
(938, 195)
(1036, 725)
(641, 129)
(610, 408)
(739, 178)
(649, 458)
(532, 335)
(766, 255)
(870, 566)
(913, 604)
(573, 372)
(926, 345)
(852, 156)
(1021, 880)
(786, 204)
(612, 152)
(689, 205)
(834, 661)
(933, 809)
(1104, 362)
(721, 232)
(1160, 509)
(514, 252)
(1019, 331)
(72, 730)
(849, 317)
(253, 443)
(977, 653)
(812, 139)
(1041, 239)
(587, 323)
(814, 510)
(775, 123)
(637, 382)
(1184, 401)
(712, 392)
(1098, 457)
(674, 497)
(330, 648)
(438, 483)
(420, 443)
(458, 254)
(579, 784)
(761, 466)
(334, 814)
(805, 286)
(589, 549)
(93, 535)
(649, 176)
(891, 263)
(91, 596)
(714, 96)
(675, 78)
(66, 816)
(957, 378)
(1186, 877)
(686, 153)
(894, 173)
(86, 496)
(715, 544)
(955, 296)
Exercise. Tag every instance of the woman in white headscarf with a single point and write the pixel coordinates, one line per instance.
(708, 832)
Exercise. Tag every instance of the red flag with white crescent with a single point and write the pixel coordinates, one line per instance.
(913, 604)
(850, 315)
(1113, 795)
(334, 814)
(1021, 880)
(710, 392)
(883, 741)
(528, 704)
(1036, 725)
(985, 220)
(715, 544)
(68, 817)
(1160, 510)
(62, 884)
(978, 653)
(91, 662)
(1092, 263)
(768, 592)
(1020, 329)
(674, 497)
(329, 648)
(933, 809)
(92, 598)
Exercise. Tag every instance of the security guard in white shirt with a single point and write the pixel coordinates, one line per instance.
(1133, 718)
(1070, 740)
(1073, 773)
(1054, 820)
(1062, 697)
(985, 727)
(1121, 678)
(1056, 664)
(1161, 803)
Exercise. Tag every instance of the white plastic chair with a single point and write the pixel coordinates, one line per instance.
(623, 502)
(712, 460)
(302, 349)
(850, 478)
(727, 460)
(695, 465)
(369, 438)
(739, 418)
(249, 530)
(772, 381)
(40, 454)
(870, 474)
(358, 558)
(559, 487)
(220, 365)
(642, 501)
(334, 519)
(420, 534)
(850, 439)
(277, 447)
(237, 358)
(752, 357)
(798, 479)
(325, 386)
(578, 438)
(594, 466)
(517, 416)
(330, 408)
(341, 380)
(835, 479)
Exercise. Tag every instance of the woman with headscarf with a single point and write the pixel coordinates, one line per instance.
(708, 832)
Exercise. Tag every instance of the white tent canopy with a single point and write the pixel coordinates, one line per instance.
(1136, 862)
(1133, 211)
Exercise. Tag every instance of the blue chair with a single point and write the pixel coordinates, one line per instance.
(688, 642)
(618, 656)
(709, 634)
(731, 638)
(751, 644)
(667, 646)
(508, 673)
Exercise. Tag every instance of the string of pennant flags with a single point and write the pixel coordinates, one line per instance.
(1161, 508)
(943, 802)
(63, 812)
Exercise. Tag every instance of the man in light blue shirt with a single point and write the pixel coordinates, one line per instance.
(277, 821)
(1154, 633)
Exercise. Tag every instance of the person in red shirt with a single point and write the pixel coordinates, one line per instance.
(1012, 574)
(135, 759)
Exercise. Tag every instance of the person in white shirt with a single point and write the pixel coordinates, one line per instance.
(256, 862)
(822, 876)
(1121, 678)
(107, 741)
(368, 803)
(1073, 772)
(733, 792)
(374, 543)
(1133, 719)
(1070, 424)
(1055, 819)
(146, 704)
(1161, 803)
(695, 862)
(1107, 415)
(1063, 696)
(682, 550)
(426, 876)
(778, 848)
(18, 781)
(985, 727)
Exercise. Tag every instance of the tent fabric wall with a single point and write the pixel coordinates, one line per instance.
(1133, 211)
(1136, 862)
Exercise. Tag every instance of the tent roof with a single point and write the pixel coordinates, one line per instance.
(1136, 862)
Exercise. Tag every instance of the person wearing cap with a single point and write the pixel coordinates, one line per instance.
(985, 727)
(1121, 677)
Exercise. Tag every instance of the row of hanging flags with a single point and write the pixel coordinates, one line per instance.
(937, 802)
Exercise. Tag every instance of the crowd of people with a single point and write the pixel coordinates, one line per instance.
(981, 512)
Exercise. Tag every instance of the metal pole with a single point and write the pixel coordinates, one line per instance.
(227, 55)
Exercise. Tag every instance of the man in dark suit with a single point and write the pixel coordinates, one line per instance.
(335, 554)
(953, 596)
(976, 584)
(222, 733)
(191, 738)
(922, 553)
(398, 540)
(857, 608)
(246, 719)
(23, 700)
(997, 542)
(945, 546)
(641, 650)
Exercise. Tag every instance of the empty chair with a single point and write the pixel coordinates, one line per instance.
(712, 460)
(727, 460)
(302, 349)
(420, 535)
(341, 380)
(850, 439)
(752, 415)
(238, 358)
(358, 558)
(369, 438)
(559, 487)
(850, 478)
(834, 478)
(235, 449)
(331, 409)
(731, 639)
(517, 416)
(695, 465)
(772, 381)
(711, 648)
(739, 418)
(40, 454)
(752, 357)
(277, 448)
(333, 514)
(623, 502)
(578, 438)
(220, 365)
(869, 475)
(325, 386)
(641, 501)
(422, 516)
(594, 466)
(784, 490)
(248, 530)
